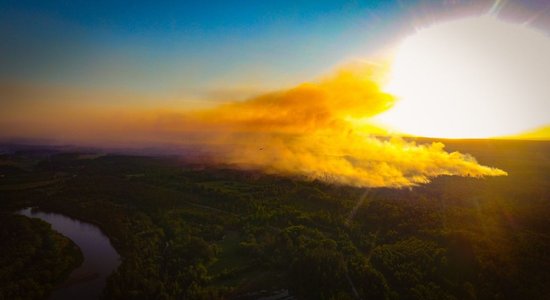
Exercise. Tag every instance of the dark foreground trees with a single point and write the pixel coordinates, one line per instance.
(190, 232)
(33, 258)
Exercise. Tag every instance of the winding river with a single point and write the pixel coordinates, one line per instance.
(100, 258)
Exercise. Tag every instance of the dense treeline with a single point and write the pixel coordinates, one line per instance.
(33, 258)
(189, 232)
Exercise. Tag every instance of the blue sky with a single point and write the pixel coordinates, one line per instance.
(192, 47)
(187, 44)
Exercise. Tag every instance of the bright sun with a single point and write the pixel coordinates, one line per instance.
(470, 78)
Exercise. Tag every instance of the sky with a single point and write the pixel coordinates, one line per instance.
(199, 49)
(287, 87)
(184, 46)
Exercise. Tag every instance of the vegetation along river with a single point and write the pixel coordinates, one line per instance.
(100, 258)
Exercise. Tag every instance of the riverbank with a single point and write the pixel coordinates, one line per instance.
(100, 258)
(34, 259)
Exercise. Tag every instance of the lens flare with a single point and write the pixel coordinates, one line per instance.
(470, 78)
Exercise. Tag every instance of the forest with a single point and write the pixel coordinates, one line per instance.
(33, 258)
(188, 230)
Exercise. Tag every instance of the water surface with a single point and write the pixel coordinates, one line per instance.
(100, 258)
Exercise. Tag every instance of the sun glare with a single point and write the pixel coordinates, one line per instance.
(470, 78)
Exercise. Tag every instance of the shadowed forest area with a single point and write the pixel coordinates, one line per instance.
(33, 257)
(192, 231)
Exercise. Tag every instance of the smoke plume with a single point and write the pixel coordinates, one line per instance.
(321, 130)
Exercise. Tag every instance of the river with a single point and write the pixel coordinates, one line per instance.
(100, 258)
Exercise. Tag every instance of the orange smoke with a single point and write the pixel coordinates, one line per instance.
(310, 131)
(316, 130)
